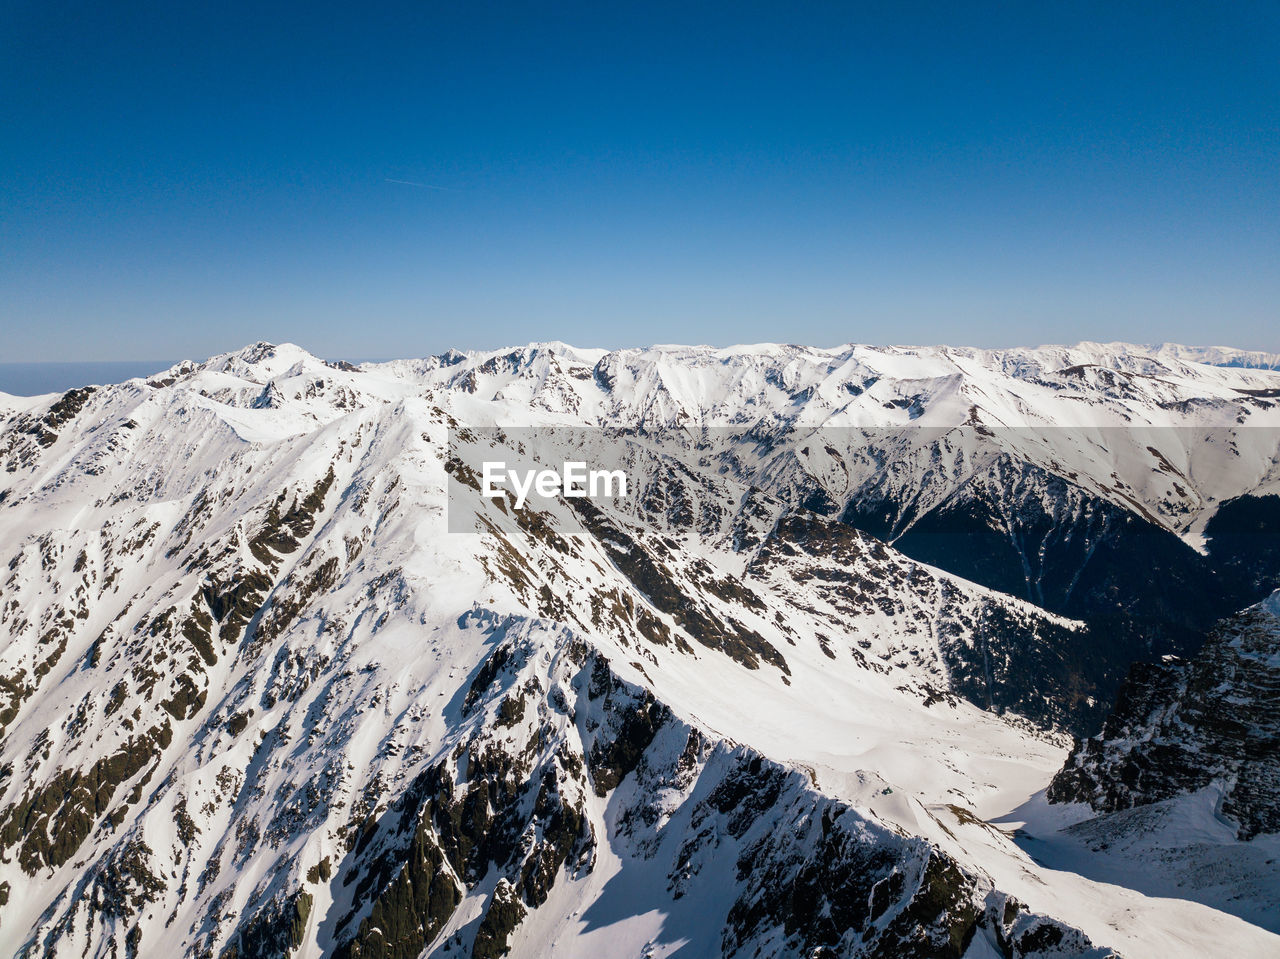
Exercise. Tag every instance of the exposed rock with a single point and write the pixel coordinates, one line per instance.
(1179, 725)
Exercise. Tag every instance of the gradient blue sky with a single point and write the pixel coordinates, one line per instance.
(178, 179)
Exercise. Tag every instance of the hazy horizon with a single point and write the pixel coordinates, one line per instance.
(38, 377)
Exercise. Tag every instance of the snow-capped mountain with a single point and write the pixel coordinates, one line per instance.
(260, 697)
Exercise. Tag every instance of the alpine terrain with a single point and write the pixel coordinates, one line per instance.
(885, 652)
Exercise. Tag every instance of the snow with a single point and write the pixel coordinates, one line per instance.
(1179, 849)
(1272, 604)
(368, 680)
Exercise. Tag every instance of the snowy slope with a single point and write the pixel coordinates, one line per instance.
(256, 699)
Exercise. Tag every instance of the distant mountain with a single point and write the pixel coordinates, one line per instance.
(275, 680)
(1219, 356)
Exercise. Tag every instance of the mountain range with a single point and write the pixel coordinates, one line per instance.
(886, 652)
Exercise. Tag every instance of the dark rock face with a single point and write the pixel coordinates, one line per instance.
(48, 825)
(1243, 538)
(275, 930)
(1025, 531)
(1179, 725)
(1144, 592)
(504, 914)
(497, 803)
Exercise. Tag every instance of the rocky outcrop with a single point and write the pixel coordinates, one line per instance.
(1179, 725)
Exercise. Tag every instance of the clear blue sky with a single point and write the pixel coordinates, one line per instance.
(178, 179)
